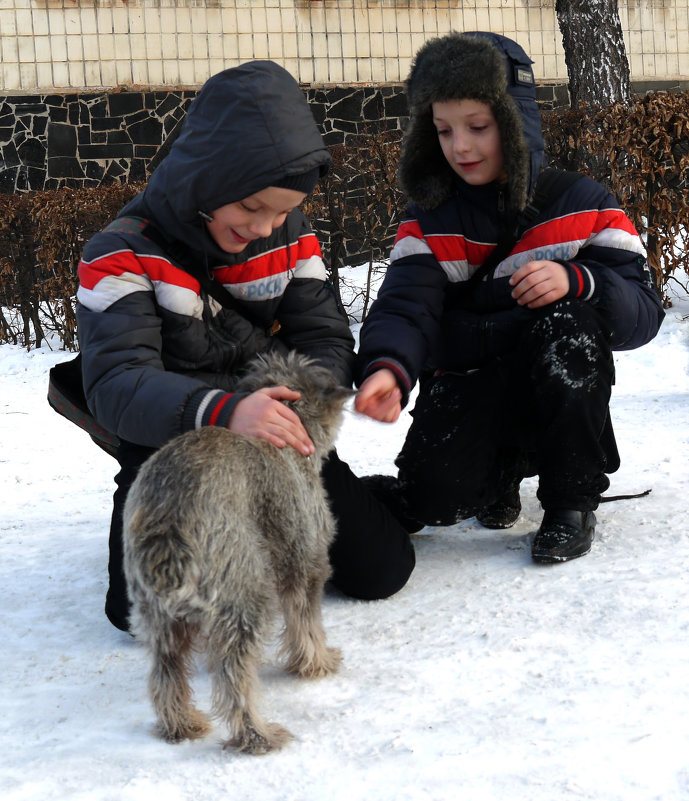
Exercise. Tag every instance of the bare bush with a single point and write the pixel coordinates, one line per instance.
(640, 151)
(41, 238)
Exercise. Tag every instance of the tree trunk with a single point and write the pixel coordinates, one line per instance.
(595, 54)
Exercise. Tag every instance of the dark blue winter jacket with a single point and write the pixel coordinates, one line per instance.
(161, 355)
(422, 318)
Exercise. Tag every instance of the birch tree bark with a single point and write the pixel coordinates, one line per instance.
(595, 53)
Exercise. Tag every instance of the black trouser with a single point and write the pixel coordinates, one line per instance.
(543, 409)
(372, 556)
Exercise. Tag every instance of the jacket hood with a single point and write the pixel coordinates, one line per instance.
(479, 66)
(249, 127)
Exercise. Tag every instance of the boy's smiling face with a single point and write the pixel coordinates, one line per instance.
(470, 140)
(234, 225)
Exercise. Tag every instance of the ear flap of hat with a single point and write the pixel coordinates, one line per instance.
(514, 150)
(423, 171)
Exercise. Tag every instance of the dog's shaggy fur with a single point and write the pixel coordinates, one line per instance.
(218, 529)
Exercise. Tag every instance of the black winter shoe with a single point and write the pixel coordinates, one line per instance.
(386, 489)
(504, 512)
(564, 534)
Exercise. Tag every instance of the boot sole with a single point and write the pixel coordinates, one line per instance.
(549, 559)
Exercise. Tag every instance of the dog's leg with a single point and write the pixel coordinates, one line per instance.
(233, 659)
(169, 685)
(304, 644)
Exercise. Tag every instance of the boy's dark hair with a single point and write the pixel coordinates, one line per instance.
(479, 66)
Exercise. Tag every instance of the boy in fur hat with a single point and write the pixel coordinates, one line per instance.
(212, 264)
(515, 369)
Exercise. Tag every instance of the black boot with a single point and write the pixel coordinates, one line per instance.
(117, 611)
(387, 490)
(564, 534)
(504, 512)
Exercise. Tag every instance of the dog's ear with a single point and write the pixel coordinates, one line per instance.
(343, 394)
(335, 395)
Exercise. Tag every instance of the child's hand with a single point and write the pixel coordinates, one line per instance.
(539, 283)
(380, 397)
(263, 415)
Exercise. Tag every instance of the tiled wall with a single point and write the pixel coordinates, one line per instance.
(60, 44)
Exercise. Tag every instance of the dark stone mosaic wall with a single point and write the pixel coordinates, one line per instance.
(89, 139)
(86, 139)
(49, 141)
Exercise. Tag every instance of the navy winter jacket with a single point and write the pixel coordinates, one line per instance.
(422, 318)
(160, 356)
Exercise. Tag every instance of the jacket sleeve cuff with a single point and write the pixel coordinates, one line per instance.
(210, 407)
(402, 376)
(581, 281)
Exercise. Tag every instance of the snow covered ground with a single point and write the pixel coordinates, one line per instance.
(486, 677)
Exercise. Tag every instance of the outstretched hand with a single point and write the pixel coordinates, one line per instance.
(380, 397)
(539, 283)
(263, 415)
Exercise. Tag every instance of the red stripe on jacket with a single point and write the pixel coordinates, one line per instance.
(125, 261)
(409, 228)
(447, 247)
(578, 226)
(458, 248)
(216, 412)
(580, 279)
(272, 262)
(160, 269)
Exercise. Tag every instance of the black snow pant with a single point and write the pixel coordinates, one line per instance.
(540, 410)
(372, 556)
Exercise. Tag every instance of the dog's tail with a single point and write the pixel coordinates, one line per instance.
(161, 554)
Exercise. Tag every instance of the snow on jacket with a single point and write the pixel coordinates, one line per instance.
(160, 356)
(422, 318)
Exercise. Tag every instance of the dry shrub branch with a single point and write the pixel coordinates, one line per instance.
(42, 234)
(356, 209)
(640, 151)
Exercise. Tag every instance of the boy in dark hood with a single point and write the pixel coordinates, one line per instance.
(210, 265)
(516, 369)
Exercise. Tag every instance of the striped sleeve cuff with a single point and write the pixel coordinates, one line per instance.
(400, 373)
(210, 407)
(581, 282)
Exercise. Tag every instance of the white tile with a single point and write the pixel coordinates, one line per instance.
(61, 75)
(44, 75)
(76, 74)
(187, 74)
(75, 49)
(27, 76)
(155, 73)
(39, 23)
(140, 72)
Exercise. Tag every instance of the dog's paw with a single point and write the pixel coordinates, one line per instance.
(270, 737)
(323, 664)
(193, 727)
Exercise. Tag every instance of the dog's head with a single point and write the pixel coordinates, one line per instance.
(322, 397)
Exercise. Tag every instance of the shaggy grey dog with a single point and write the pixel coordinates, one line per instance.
(220, 530)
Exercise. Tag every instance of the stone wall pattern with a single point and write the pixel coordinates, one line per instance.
(48, 141)
(85, 139)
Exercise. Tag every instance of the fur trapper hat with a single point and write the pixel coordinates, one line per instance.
(479, 66)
